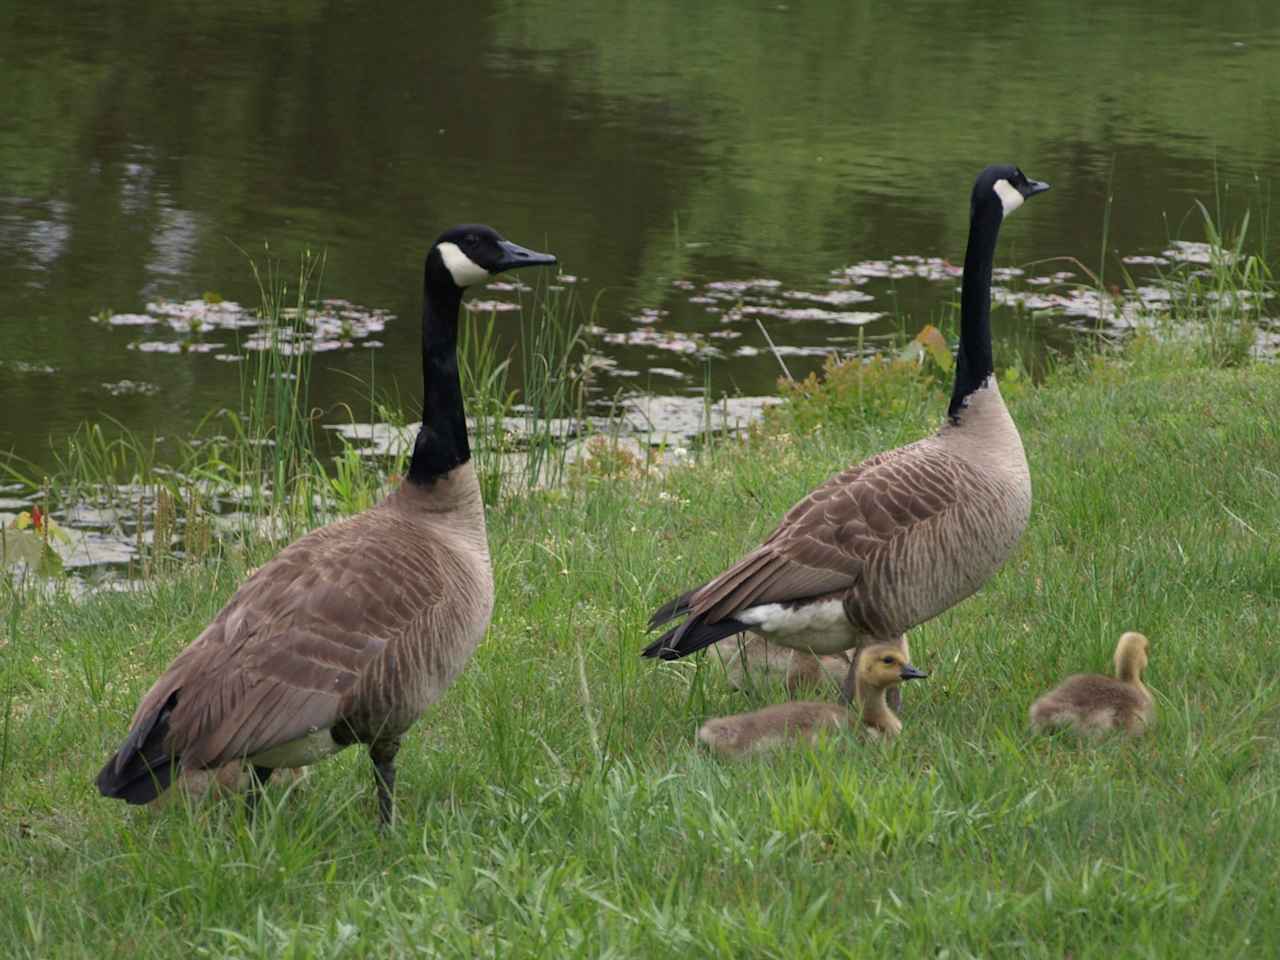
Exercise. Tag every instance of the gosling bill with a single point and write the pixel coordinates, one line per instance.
(880, 668)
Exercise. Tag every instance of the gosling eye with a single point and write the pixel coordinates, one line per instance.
(888, 661)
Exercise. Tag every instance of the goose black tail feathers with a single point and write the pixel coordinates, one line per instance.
(143, 767)
(691, 636)
(672, 609)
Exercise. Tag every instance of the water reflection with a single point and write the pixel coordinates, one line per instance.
(651, 146)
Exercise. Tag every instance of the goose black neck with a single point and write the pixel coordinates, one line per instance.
(441, 444)
(973, 359)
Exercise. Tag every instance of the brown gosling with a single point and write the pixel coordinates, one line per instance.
(232, 779)
(880, 667)
(1093, 704)
(749, 660)
(813, 673)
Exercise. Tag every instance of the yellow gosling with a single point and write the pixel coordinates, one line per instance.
(880, 667)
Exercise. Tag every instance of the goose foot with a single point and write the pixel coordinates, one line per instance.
(384, 775)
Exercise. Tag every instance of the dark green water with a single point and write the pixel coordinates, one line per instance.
(654, 147)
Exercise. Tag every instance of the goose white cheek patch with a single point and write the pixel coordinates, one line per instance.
(464, 270)
(1010, 198)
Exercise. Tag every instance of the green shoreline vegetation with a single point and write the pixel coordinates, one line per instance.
(554, 804)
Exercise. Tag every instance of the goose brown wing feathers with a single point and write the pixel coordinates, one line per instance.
(824, 543)
(285, 655)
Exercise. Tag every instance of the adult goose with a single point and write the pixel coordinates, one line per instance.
(902, 536)
(349, 633)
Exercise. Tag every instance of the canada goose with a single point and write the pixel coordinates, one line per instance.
(749, 659)
(880, 667)
(904, 535)
(1093, 704)
(349, 633)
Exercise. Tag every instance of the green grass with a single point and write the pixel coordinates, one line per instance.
(553, 803)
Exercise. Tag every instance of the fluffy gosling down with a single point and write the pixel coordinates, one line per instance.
(750, 661)
(1093, 704)
(880, 667)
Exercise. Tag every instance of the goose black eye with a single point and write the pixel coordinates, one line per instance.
(887, 660)
(470, 239)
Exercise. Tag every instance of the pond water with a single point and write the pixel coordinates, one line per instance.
(696, 166)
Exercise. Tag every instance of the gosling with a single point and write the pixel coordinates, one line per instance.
(880, 668)
(232, 779)
(749, 660)
(1093, 704)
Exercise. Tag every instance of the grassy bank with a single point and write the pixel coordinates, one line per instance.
(553, 803)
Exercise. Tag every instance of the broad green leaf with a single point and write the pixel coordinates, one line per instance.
(27, 546)
(931, 339)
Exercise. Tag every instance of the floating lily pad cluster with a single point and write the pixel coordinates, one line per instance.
(655, 420)
(738, 304)
(325, 325)
(131, 388)
(1135, 304)
(107, 529)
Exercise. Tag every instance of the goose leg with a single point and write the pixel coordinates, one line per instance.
(893, 696)
(258, 777)
(849, 689)
(383, 754)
